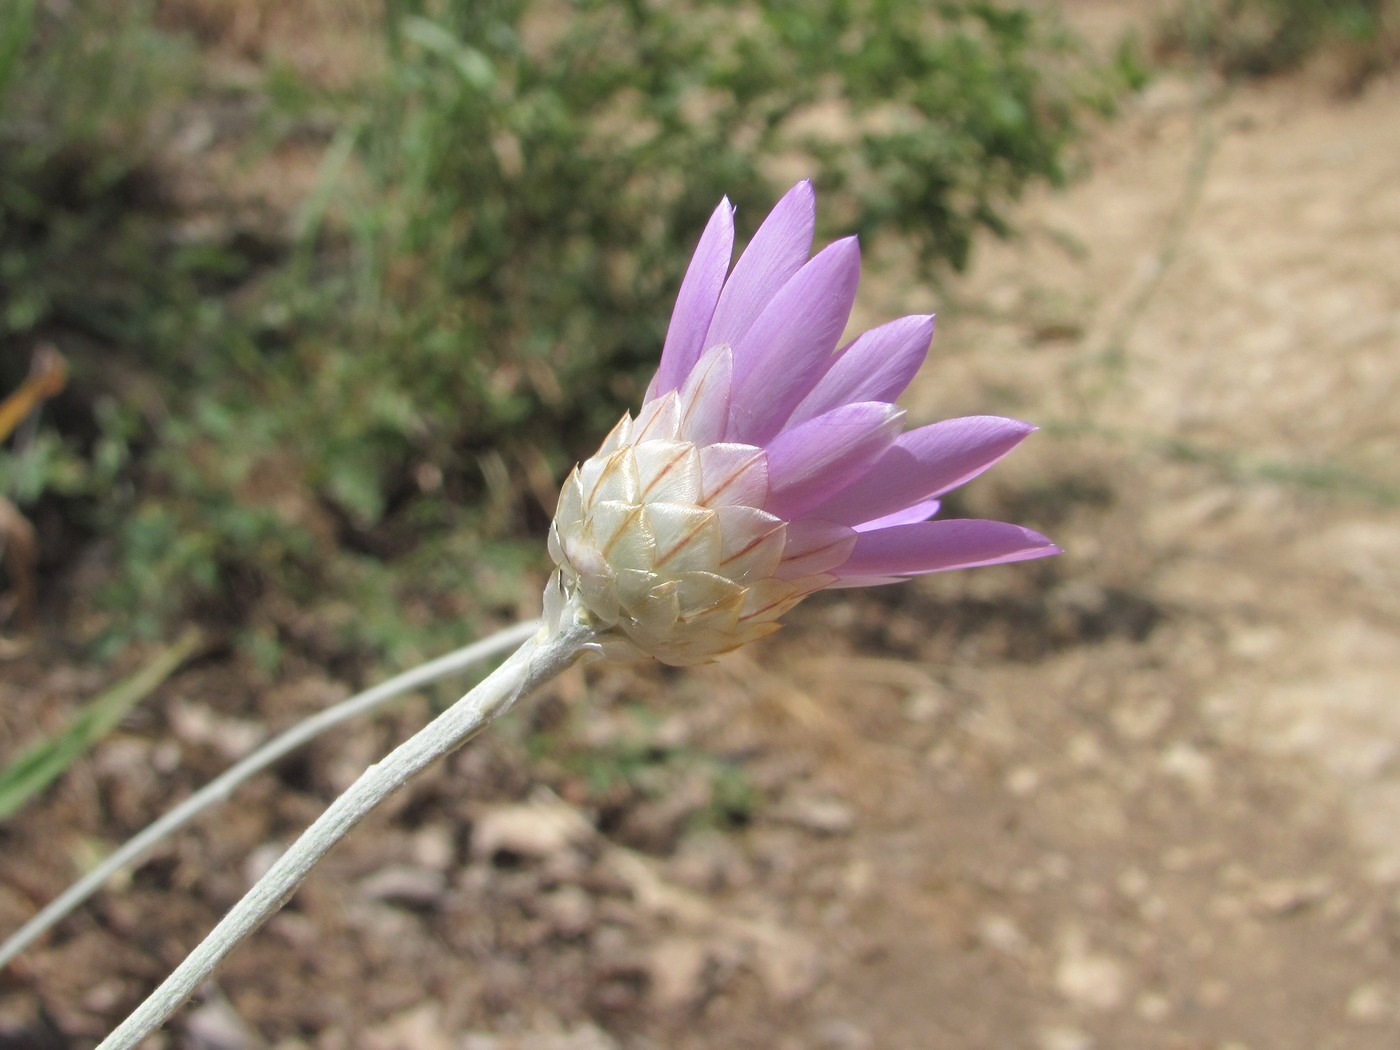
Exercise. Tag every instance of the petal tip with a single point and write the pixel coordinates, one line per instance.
(1040, 546)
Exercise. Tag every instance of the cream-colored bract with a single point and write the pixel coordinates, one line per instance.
(664, 541)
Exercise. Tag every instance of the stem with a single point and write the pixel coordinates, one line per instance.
(218, 789)
(537, 661)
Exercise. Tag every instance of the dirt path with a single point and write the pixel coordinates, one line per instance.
(1170, 816)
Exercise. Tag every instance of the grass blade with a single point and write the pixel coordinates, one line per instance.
(43, 762)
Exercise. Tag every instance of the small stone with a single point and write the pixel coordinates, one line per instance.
(215, 1025)
(1153, 1006)
(1140, 721)
(1022, 781)
(858, 877)
(420, 1028)
(403, 884)
(1289, 896)
(1133, 884)
(231, 738)
(923, 707)
(1085, 751)
(676, 967)
(1369, 1003)
(1058, 1038)
(568, 910)
(788, 965)
(707, 862)
(434, 846)
(260, 859)
(585, 1037)
(1190, 766)
(536, 829)
(1089, 979)
(999, 932)
(843, 1035)
(822, 815)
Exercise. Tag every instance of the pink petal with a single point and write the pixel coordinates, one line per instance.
(814, 548)
(921, 511)
(704, 398)
(925, 463)
(822, 456)
(695, 305)
(852, 582)
(875, 367)
(780, 358)
(777, 251)
(933, 546)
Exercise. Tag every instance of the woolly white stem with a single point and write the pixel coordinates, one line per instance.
(222, 786)
(537, 661)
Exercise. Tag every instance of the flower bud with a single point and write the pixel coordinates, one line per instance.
(764, 465)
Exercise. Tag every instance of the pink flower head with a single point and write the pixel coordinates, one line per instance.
(765, 464)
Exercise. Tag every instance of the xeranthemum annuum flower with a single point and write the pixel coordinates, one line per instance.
(764, 464)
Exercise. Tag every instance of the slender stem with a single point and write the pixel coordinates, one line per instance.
(537, 661)
(222, 786)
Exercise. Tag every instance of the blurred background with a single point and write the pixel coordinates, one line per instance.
(307, 307)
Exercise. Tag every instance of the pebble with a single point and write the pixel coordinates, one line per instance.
(676, 968)
(434, 846)
(1140, 721)
(585, 1037)
(1022, 781)
(420, 1028)
(404, 884)
(1057, 1038)
(215, 1025)
(1189, 765)
(819, 814)
(568, 910)
(537, 829)
(1370, 1003)
(1088, 979)
(1153, 1006)
(707, 862)
(1001, 933)
(841, 1034)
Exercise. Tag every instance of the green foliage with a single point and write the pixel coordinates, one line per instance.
(82, 114)
(16, 29)
(45, 760)
(1264, 37)
(529, 190)
(480, 281)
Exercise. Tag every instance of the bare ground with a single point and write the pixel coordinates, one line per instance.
(1144, 796)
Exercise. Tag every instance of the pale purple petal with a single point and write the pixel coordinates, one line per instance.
(921, 511)
(814, 548)
(875, 367)
(777, 251)
(822, 456)
(695, 305)
(703, 400)
(785, 352)
(852, 582)
(925, 463)
(933, 546)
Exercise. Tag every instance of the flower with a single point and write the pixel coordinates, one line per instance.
(765, 465)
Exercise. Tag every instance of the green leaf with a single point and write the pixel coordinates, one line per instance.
(46, 760)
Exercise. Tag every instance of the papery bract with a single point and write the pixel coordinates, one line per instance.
(764, 463)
